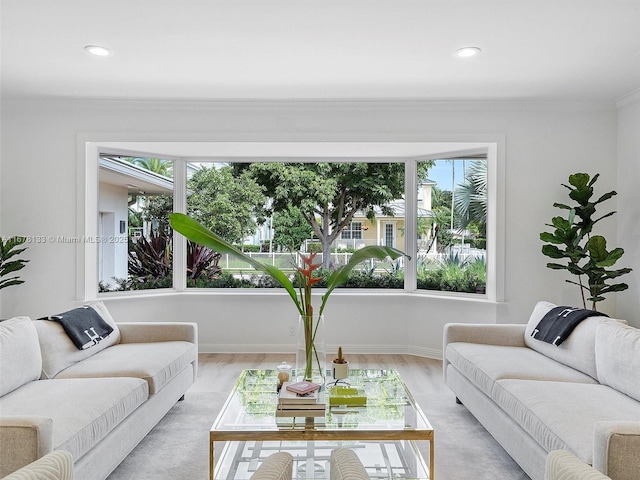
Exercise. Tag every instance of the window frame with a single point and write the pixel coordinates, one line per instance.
(90, 146)
(349, 228)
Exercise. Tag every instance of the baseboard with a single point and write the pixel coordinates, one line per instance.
(352, 349)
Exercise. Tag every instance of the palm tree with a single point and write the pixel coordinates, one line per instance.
(156, 165)
(471, 198)
(441, 219)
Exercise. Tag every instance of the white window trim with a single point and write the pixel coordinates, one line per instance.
(184, 148)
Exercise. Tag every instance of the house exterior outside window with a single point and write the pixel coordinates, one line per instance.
(353, 231)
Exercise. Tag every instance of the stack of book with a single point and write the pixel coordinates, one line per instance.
(301, 399)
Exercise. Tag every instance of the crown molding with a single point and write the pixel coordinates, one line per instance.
(318, 105)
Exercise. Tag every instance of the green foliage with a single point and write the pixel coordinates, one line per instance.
(248, 248)
(290, 229)
(156, 209)
(471, 198)
(156, 165)
(453, 275)
(150, 260)
(134, 218)
(315, 248)
(224, 280)
(199, 234)
(334, 192)
(441, 210)
(202, 262)
(585, 254)
(224, 203)
(150, 265)
(9, 250)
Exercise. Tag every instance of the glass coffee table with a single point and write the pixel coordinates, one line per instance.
(383, 432)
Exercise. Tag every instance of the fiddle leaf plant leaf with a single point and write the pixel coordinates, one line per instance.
(553, 251)
(550, 237)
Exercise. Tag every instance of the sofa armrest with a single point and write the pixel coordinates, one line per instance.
(491, 334)
(616, 449)
(277, 466)
(561, 465)
(23, 439)
(146, 332)
(345, 465)
(56, 465)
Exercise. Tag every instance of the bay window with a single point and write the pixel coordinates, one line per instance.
(435, 207)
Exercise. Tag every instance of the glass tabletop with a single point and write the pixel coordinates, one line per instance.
(390, 410)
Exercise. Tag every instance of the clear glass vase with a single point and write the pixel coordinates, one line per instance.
(311, 358)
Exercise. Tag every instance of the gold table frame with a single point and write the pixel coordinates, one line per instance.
(248, 414)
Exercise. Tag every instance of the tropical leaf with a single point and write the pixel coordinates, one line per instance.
(195, 232)
(340, 275)
(8, 250)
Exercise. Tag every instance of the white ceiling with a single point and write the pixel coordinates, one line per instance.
(321, 49)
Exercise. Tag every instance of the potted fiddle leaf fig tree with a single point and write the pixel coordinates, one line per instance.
(572, 240)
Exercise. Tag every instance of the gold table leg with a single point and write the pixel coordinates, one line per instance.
(211, 459)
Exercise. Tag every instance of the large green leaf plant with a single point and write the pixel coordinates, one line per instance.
(304, 275)
(572, 240)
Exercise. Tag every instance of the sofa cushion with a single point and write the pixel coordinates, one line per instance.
(156, 362)
(577, 351)
(562, 415)
(20, 358)
(485, 364)
(83, 411)
(59, 352)
(618, 357)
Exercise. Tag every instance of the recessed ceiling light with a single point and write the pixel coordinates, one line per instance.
(467, 52)
(98, 50)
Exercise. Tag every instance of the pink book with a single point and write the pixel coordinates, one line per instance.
(303, 388)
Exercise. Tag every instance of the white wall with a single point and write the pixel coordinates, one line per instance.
(629, 208)
(544, 144)
(113, 246)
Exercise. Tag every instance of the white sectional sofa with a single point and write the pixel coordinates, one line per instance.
(98, 403)
(582, 396)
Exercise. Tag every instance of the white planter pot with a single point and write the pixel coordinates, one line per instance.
(340, 370)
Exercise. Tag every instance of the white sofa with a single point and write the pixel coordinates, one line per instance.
(582, 396)
(98, 403)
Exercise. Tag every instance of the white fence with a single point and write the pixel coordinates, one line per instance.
(288, 261)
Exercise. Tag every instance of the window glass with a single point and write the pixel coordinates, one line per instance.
(353, 231)
(452, 226)
(135, 245)
(277, 211)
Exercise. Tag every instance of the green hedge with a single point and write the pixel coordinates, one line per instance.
(446, 279)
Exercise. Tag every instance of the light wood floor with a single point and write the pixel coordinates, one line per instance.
(217, 372)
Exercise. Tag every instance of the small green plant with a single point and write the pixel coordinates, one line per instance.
(572, 240)
(9, 250)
